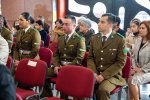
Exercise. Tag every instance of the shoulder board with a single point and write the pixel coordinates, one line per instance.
(120, 35)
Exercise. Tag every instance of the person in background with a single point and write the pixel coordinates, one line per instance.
(117, 27)
(7, 86)
(46, 26)
(15, 27)
(39, 26)
(140, 71)
(6, 33)
(58, 30)
(4, 51)
(85, 31)
(107, 57)
(133, 32)
(27, 40)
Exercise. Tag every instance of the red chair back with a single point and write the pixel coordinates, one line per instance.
(9, 63)
(127, 68)
(31, 72)
(84, 61)
(46, 55)
(76, 81)
(48, 41)
(53, 47)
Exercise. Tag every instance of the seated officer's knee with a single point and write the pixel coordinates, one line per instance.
(102, 89)
(50, 72)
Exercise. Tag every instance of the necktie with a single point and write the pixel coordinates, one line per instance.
(104, 40)
(66, 39)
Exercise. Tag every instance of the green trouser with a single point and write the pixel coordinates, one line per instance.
(47, 92)
(104, 89)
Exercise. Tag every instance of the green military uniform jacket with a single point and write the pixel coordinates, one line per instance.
(108, 60)
(27, 44)
(8, 36)
(73, 51)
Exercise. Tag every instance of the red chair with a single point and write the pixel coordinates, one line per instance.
(84, 61)
(48, 41)
(76, 81)
(9, 62)
(125, 75)
(46, 55)
(53, 47)
(32, 73)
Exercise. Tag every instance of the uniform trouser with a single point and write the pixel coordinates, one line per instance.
(104, 89)
(47, 92)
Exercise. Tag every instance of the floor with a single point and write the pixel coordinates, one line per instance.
(145, 92)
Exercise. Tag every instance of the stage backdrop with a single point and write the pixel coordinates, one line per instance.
(125, 9)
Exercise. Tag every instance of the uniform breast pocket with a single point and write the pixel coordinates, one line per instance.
(71, 47)
(112, 52)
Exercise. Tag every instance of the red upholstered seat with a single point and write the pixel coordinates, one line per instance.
(46, 55)
(76, 81)
(32, 73)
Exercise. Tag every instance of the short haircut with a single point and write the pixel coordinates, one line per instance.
(111, 17)
(39, 22)
(71, 17)
(86, 22)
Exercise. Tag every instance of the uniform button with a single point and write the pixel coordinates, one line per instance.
(65, 59)
(65, 49)
(102, 51)
(101, 66)
(100, 72)
(64, 54)
(101, 58)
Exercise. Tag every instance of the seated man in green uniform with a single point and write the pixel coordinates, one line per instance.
(71, 47)
(107, 57)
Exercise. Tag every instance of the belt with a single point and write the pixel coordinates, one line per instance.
(24, 52)
(65, 63)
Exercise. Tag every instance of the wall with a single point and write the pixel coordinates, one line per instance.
(11, 9)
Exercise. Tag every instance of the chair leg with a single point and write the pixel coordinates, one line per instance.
(119, 94)
(127, 91)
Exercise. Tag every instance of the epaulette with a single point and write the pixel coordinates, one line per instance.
(120, 35)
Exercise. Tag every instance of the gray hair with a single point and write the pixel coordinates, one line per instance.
(86, 22)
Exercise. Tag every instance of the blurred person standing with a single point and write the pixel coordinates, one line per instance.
(46, 26)
(117, 27)
(39, 26)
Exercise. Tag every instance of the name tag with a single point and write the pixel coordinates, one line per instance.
(32, 63)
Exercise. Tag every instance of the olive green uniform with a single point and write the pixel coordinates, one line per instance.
(107, 60)
(8, 36)
(27, 44)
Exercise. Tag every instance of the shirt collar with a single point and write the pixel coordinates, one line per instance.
(69, 35)
(26, 29)
(107, 35)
